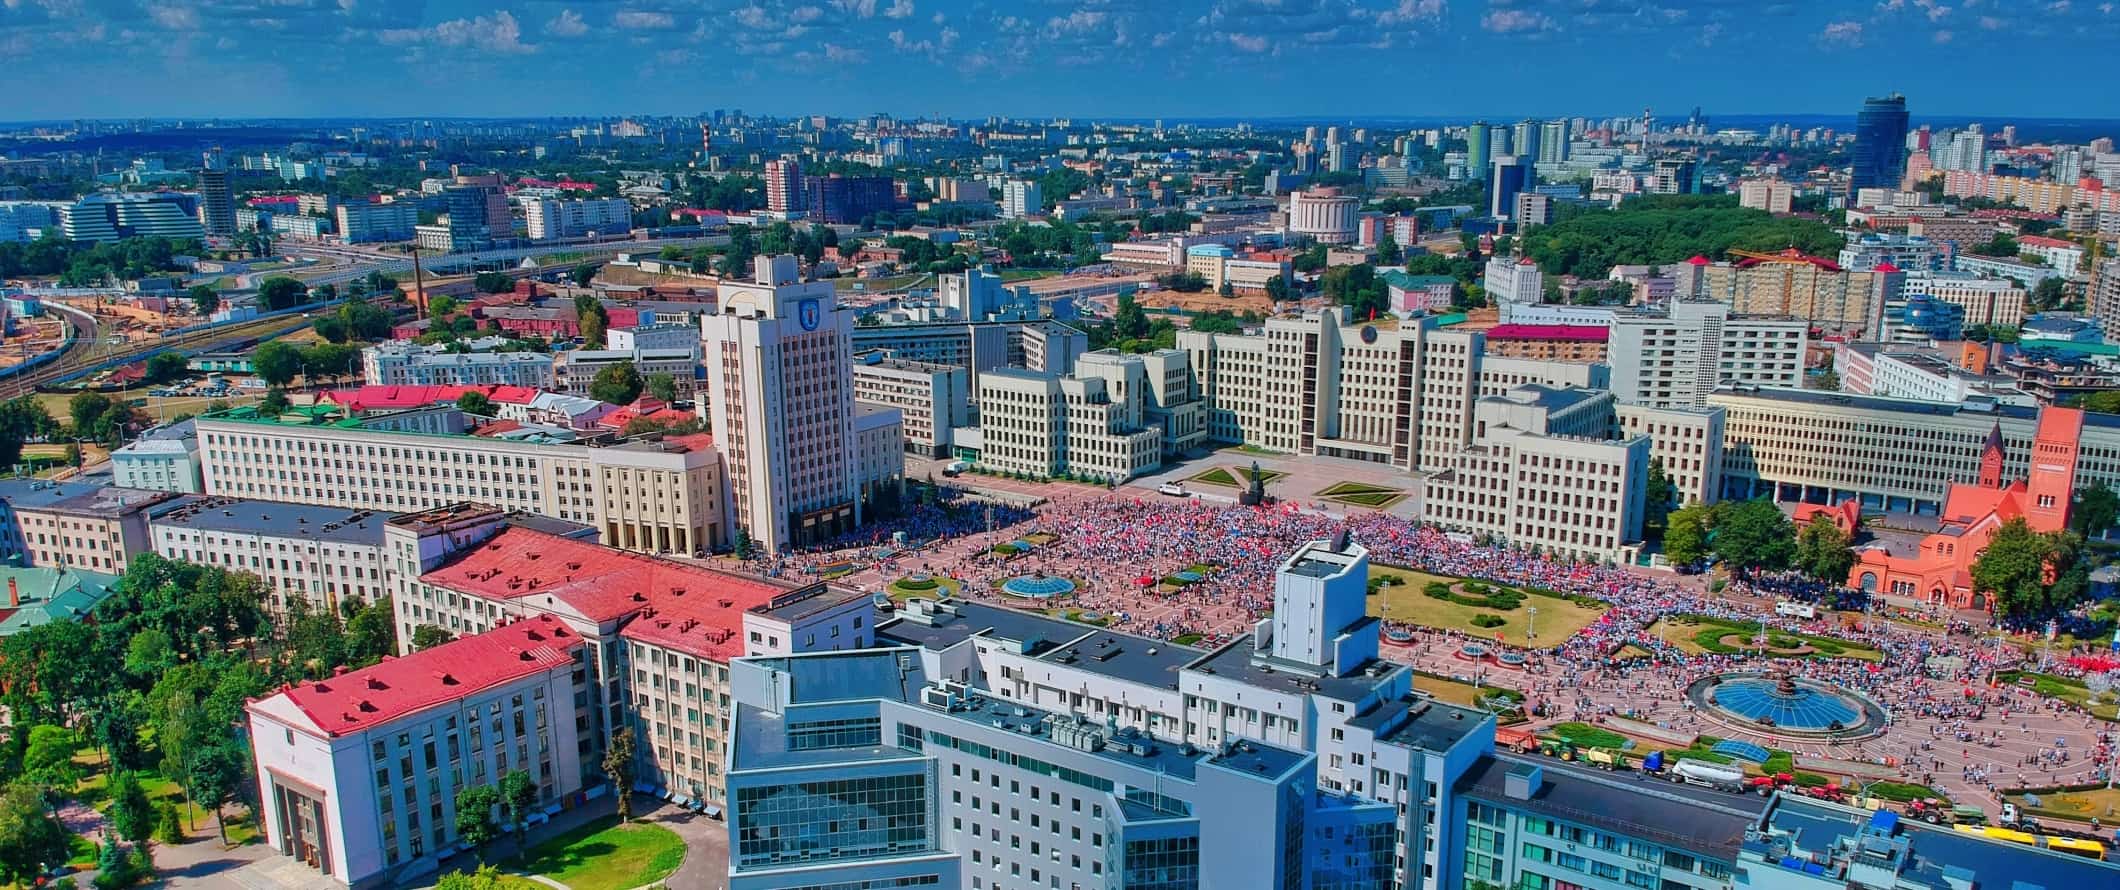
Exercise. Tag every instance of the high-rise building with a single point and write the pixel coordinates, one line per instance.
(217, 205)
(556, 218)
(1675, 359)
(848, 199)
(1770, 195)
(1511, 176)
(780, 402)
(1553, 142)
(361, 222)
(1524, 139)
(784, 185)
(109, 216)
(1476, 150)
(1880, 157)
(1021, 198)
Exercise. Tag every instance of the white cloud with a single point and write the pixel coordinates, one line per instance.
(1511, 21)
(752, 16)
(1942, 36)
(1076, 22)
(1411, 11)
(860, 8)
(1251, 43)
(495, 33)
(845, 54)
(175, 18)
(1990, 23)
(1848, 33)
(638, 20)
(567, 24)
(899, 9)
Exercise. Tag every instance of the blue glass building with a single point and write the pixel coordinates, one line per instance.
(1880, 155)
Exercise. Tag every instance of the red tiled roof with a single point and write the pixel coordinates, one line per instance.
(1886, 267)
(1698, 260)
(384, 397)
(1581, 333)
(357, 700)
(1792, 255)
(2043, 241)
(701, 610)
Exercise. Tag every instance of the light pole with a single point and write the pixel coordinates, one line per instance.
(1531, 630)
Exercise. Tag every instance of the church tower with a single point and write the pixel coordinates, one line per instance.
(2051, 483)
(1991, 459)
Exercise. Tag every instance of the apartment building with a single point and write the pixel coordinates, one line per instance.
(1675, 358)
(96, 528)
(1897, 455)
(546, 218)
(1543, 473)
(780, 402)
(654, 494)
(1986, 300)
(1687, 442)
(1791, 284)
(165, 458)
(1770, 195)
(933, 399)
(406, 364)
(359, 773)
(362, 223)
(320, 555)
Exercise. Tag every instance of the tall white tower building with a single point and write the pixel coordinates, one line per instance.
(780, 403)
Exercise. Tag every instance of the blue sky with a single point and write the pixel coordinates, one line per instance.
(1090, 58)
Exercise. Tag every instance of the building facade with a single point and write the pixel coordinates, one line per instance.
(400, 364)
(1675, 359)
(321, 555)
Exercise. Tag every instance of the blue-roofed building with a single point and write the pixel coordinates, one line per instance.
(1805, 844)
(39, 596)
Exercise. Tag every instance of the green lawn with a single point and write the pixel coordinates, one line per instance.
(1558, 619)
(605, 855)
(2097, 803)
(936, 588)
(1698, 634)
(1234, 477)
(1587, 736)
(2065, 689)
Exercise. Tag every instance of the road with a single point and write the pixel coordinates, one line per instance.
(401, 267)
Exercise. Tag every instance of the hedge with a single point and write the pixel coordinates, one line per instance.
(1587, 736)
(1902, 792)
(1486, 620)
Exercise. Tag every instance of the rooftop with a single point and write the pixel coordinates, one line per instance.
(358, 700)
(1081, 646)
(100, 501)
(37, 493)
(275, 518)
(1687, 817)
(1934, 855)
(38, 596)
(695, 610)
(382, 397)
(1234, 662)
(1574, 333)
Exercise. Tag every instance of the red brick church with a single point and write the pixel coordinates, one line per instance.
(1941, 574)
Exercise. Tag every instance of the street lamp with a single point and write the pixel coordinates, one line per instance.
(1531, 631)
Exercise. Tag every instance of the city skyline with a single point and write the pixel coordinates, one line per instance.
(971, 58)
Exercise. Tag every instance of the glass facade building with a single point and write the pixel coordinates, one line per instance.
(1880, 156)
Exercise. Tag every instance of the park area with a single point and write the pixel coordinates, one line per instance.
(2073, 691)
(1362, 494)
(1701, 634)
(1477, 608)
(602, 855)
(2079, 805)
(1233, 477)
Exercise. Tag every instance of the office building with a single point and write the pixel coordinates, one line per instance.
(1879, 159)
(1416, 294)
(362, 222)
(217, 203)
(1922, 319)
(1222, 268)
(1826, 448)
(1513, 281)
(1770, 195)
(657, 494)
(780, 403)
(26, 221)
(1510, 177)
(1477, 150)
(848, 199)
(1538, 822)
(1804, 844)
(1021, 198)
(574, 371)
(1674, 359)
(406, 364)
(110, 216)
(360, 772)
(323, 556)
(1549, 342)
(1687, 442)
(90, 528)
(1116, 417)
(165, 458)
(784, 186)
(934, 400)
(979, 346)
(1323, 215)
(1985, 300)
(1289, 758)
(546, 218)
(1913, 253)
(1399, 394)
(1543, 473)
(1907, 371)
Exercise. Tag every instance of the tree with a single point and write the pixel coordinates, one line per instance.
(2105, 402)
(1128, 321)
(662, 386)
(475, 402)
(428, 636)
(1388, 251)
(332, 328)
(582, 274)
(2095, 510)
(1755, 535)
(1659, 495)
(1278, 290)
(204, 299)
(281, 292)
(276, 363)
(21, 419)
(365, 320)
(2048, 293)
(618, 764)
(519, 796)
(1823, 551)
(2015, 567)
(486, 878)
(169, 828)
(618, 384)
(132, 814)
(329, 361)
(48, 761)
(1686, 535)
(493, 282)
(442, 306)
(274, 403)
(32, 842)
(474, 817)
(90, 413)
(743, 545)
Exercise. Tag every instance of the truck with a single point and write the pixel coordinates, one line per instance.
(1607, 759)
(1708, 775)
(1767, 785)
(1939, 812)
(1794, 609)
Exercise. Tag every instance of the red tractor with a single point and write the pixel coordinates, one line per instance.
(1766, 785)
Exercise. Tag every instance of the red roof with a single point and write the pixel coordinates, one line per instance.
(2043, 241)
(1886, 266)
(358, 700)
(374, 397)
(1578, 333)
(1792, 255)
(1698, 260)
(700, 610)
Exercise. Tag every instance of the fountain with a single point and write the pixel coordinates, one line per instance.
(1782, 703)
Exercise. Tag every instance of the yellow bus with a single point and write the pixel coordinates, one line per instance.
(1998, 833)
(2077, 847)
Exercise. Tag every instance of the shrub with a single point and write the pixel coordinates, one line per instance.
(1812, 780)
(1486, 620)
(1437, 590)
(1902, 792)
(1586, 736)
(169, 828)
